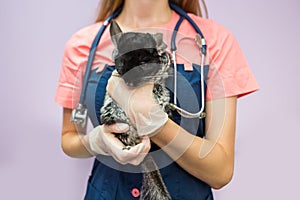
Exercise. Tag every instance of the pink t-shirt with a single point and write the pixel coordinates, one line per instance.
(229, 73)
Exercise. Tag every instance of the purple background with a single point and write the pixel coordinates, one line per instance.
(32, 37)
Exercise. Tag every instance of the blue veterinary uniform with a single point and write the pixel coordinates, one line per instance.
(122, 181)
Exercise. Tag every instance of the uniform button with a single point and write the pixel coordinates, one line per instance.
(135, 192)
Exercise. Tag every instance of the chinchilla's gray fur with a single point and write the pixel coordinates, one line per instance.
(140, 57)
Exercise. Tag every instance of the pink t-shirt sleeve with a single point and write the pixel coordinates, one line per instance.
(74, 63)
(229, 74)
(72, 70)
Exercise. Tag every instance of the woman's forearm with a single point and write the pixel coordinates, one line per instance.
(75, 145)
(204, 159)
(73, 141)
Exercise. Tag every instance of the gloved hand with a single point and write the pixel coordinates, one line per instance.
(103, 141)
(139, 104)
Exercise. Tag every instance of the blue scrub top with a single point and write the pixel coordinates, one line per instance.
(110, 180)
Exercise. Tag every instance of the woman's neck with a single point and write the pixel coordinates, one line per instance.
(144, 13)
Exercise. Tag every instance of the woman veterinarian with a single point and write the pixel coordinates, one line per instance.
(194, 154)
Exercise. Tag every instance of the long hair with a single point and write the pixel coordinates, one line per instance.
(107, 7)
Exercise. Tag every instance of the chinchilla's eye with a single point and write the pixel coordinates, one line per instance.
(151, 51)
(119, 62)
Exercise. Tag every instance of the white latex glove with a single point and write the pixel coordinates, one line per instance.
(103, 141)
(139, 104)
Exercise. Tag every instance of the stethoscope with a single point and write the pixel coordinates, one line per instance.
(79, 114)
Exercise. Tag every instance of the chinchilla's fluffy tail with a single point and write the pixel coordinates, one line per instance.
(153, 187)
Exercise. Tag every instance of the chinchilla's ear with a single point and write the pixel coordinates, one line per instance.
(160, 45)
(115, 32)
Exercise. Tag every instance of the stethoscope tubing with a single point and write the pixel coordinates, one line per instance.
(92, 55)
(202, 45)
